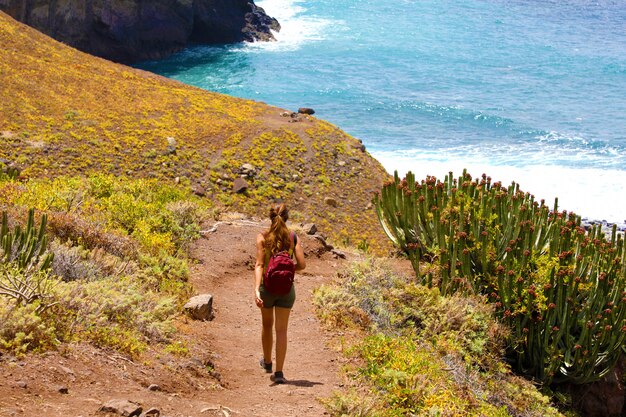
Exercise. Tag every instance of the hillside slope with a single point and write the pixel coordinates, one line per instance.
(67, 113)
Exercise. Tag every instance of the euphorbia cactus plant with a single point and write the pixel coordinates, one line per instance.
(560, 287)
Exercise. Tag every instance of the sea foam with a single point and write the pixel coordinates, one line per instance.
(296, 27)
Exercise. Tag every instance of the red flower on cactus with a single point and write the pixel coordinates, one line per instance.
(511, 272)
(462, 235)
(507, 313)
(608, 327)
(499, 269)
(525, 330)
(555, 328)
(508, 249)
(484, 233)
(551, 306)
(577, 347)
(526, 252)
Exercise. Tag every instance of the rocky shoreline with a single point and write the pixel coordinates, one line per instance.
(607, 227)
(132, 31)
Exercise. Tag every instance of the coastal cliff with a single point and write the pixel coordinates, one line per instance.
(128, 31)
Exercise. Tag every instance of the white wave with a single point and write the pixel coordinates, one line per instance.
(593, 193)
(297, 28)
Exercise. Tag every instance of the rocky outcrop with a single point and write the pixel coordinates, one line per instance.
(133, 30)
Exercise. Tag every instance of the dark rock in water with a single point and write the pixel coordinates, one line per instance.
(259, 25)
(306, 110)
(133, 30)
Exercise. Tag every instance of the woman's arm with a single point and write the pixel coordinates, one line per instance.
(300, 262)
(258, 269)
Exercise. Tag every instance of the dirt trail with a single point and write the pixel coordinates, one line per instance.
(230, 343)
(311, 366)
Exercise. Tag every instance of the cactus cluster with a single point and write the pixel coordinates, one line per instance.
(26, 247)
(560, 287)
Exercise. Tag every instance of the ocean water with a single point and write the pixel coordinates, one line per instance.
(532, 91)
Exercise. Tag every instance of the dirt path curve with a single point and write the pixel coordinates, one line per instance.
(226, 272)
(78, 379)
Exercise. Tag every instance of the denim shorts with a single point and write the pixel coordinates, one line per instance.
(284, 301)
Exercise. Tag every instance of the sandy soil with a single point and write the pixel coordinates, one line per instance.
(221, 375)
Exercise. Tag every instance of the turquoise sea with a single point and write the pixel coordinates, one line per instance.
(526, 90)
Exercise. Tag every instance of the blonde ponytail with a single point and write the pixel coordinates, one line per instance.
(278, 237)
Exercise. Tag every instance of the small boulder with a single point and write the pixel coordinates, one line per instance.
(154, 387)
(124, 408)
(248, 170)
(152, 412)
(240, 186)
(63, 389)
(330, 201)
(338, 254)
(171, 146)
(306, 110)
(309, 228)
(200, 307)
(198, 190)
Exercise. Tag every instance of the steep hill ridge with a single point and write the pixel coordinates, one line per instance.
(68, 113)
(132, 30)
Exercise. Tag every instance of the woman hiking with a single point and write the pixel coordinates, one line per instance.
(275, 306)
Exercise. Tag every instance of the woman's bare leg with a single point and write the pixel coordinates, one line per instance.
(267, 333)
(282, 322)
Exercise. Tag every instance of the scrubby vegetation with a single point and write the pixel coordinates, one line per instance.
(416, 352)
(558, 286)
(115, 272)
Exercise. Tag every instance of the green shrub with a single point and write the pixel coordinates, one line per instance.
(119, 247)
(558, 286)
(23, 328)
(426, 354)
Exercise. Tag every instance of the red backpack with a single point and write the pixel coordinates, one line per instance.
(280, 271)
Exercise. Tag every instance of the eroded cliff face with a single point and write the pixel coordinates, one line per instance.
(134, 30)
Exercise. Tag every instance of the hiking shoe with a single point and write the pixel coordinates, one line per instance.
(266, 366)
(278, 378)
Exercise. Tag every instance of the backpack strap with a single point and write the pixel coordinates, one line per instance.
(294, 240)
